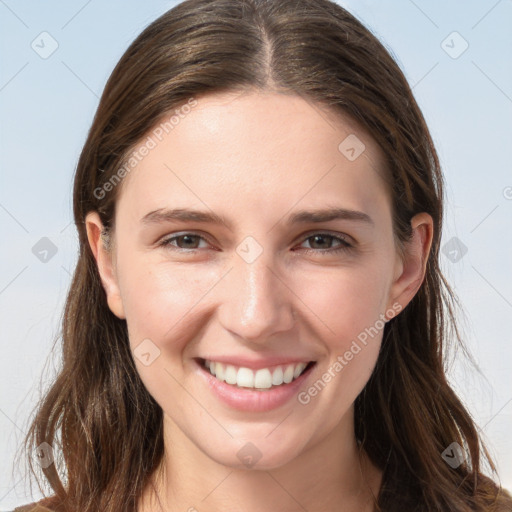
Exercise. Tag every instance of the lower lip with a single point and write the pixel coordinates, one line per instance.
(249, 400)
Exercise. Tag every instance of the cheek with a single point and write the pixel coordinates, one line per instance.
(160, 302)
(167, 302)
(161, 306)
(347, 308)
(345, 301)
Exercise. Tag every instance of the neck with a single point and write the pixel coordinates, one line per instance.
(332, 475)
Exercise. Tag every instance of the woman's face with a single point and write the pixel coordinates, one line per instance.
(254, 281)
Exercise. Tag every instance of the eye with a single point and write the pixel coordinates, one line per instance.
(327, 239)
(188, 240)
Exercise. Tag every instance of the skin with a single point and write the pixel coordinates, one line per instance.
(255, 158)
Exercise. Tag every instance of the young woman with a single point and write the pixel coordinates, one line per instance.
(257, 320)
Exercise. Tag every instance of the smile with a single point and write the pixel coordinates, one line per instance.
(258, 389)
(261, 379)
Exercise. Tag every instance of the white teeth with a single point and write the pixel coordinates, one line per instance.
(298, 369)
(244, 377)
(263, 378)
(230, 374)
(288, 374)
(277, 376)
(219, 371)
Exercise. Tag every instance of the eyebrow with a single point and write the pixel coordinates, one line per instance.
(301, 217)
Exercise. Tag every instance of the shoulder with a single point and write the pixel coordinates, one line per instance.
(32, 507)
(503, 502)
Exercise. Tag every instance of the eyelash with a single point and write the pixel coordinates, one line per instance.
(342, 248)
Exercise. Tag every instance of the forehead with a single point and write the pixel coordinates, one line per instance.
(255, 150)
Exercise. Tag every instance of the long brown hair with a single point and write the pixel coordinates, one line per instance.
(104, 427)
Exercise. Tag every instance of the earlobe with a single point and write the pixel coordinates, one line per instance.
(412, 266)
(104, 261)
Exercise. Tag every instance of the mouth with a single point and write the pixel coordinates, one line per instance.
(262, 379)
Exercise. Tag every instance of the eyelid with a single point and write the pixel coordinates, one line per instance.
(165, 240)
(346, 239)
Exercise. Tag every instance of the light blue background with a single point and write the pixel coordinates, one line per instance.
(47, 107)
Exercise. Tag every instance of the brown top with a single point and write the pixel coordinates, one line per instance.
(32, 507)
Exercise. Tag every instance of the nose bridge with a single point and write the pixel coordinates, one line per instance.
(256, 303)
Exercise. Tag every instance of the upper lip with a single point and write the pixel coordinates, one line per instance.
(257, 364)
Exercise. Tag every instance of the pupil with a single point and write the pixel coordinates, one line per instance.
(187, 239)
(321, 237)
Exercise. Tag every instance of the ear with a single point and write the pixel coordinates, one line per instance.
(410, 269)
(104, 259)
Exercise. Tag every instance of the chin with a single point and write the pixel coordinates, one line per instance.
(252, 454)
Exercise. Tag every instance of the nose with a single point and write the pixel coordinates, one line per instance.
(256, 303)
